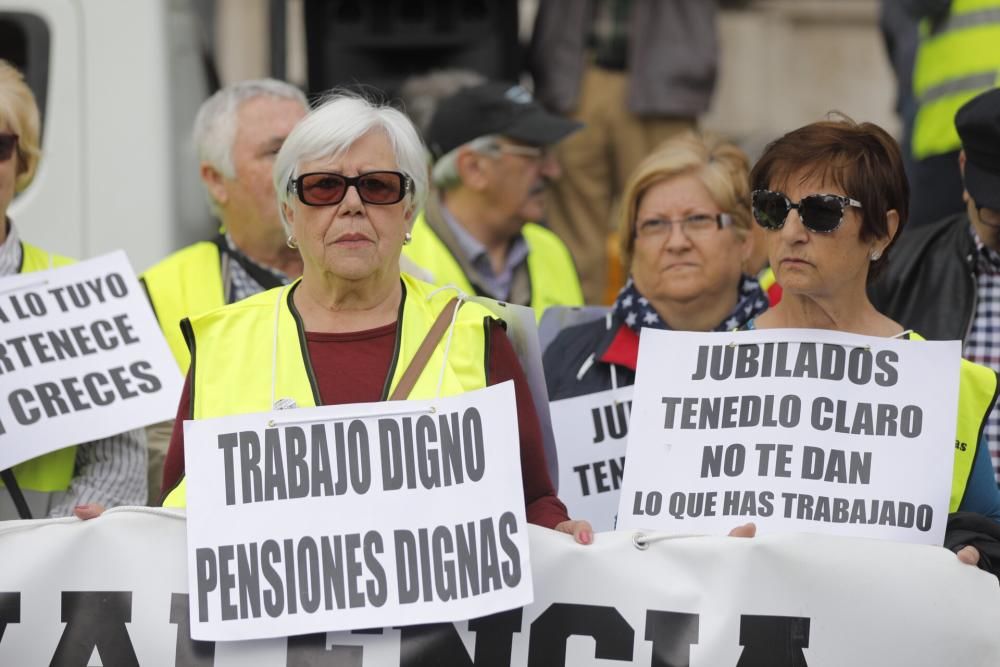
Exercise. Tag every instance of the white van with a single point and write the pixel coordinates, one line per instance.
(118, 83)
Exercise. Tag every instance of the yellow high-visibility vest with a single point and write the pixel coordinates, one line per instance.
(956, 60)
(53, 471)
(554, 281)
(188, 283)
(977, 392)
(232, 350)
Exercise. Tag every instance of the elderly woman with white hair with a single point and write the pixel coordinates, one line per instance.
(350, 179)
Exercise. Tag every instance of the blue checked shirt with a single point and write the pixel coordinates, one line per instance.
(982, 345)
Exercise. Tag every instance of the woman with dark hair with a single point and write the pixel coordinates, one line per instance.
(832, 197)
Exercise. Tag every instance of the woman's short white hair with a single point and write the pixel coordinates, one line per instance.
(334, 126)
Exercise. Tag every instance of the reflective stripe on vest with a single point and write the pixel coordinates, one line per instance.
(224, 340)
(188, 283)
(554, 281)
(53, 471)
(977, 391)
(957, 60)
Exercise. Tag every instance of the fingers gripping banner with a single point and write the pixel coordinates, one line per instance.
(115, 590)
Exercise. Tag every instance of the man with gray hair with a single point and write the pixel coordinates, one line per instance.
(237, 133)
(479, 231)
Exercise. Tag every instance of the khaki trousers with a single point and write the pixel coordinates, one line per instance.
(596, 161)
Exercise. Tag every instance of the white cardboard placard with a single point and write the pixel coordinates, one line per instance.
(82, 357)
(796, 430)
(591, 433)
(355, 516)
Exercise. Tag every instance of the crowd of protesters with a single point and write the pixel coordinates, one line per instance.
(347, 214)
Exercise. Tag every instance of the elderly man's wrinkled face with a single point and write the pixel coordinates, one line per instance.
(249, 198)
(351, 240)
(517, 179)
(986, 221)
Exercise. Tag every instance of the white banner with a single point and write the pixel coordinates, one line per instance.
(796, 430)
(112, 591)
(353, 516)
(81, 357)
(591, 433)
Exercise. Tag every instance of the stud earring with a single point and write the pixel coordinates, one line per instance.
(875, 254)
(291, 242)
(407, 237)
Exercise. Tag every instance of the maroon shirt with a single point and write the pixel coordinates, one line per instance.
(353, 367)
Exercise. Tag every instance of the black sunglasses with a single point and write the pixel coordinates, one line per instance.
(8, 142)
(819, 213)
(325, 188)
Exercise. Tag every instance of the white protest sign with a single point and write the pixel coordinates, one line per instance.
(81, 357)
(591, 434)
(354, 516)
(115, 587)
(794, 429)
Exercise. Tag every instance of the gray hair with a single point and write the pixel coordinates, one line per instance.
(217, 120)
(445, 171)
(334, 126)
(421, 94)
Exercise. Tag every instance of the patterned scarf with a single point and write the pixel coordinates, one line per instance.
(637, 312)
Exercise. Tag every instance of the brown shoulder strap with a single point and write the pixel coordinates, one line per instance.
(423, 355)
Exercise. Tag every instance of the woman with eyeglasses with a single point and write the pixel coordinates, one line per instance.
(832, 197)
(86, 478)
(684, 233)
(350, 179)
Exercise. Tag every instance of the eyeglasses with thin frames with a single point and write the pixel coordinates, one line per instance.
(694, 226)
(538, 153)
(8, 142)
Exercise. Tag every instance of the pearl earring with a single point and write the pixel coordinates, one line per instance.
(291, 243)
(407, 237)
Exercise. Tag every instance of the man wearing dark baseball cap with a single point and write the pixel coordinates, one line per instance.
(944, 278)
(480, 229)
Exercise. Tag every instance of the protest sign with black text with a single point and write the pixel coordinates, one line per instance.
(794, 429)
(352, 516)
(81, 357)
(591, 432)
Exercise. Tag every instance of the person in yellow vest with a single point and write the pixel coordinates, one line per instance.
(88, 477)
(480, 231)
(237, 133)
(833, 198)
(350, 179)
(957, 59)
